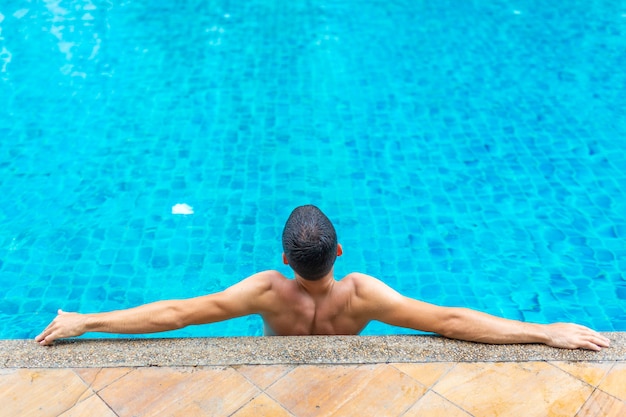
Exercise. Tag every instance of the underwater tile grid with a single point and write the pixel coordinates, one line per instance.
(469, 154)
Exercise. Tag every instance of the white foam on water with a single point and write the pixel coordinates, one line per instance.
(182, 209)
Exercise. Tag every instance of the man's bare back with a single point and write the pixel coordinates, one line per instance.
(294, 308)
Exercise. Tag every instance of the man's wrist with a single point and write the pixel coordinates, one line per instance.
(90, 323)
(539, 333)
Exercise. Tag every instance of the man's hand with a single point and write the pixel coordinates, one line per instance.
(574, 336)
(64, 325)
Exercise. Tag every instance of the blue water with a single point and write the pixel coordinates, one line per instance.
(470, 154)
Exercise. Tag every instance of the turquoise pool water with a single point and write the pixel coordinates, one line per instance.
(470, 154)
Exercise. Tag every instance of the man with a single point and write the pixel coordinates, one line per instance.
(314, 303)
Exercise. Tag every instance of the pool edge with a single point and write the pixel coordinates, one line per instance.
(297, 350)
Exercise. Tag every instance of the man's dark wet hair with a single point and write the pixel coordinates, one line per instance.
(310, 242)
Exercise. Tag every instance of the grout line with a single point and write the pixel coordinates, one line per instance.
(279, 403)
(78, 398)
(607, 374)
(454, 366)
(430, 388)
(236, 368)
(264, 390)
(611, 395)
(244, 404)
(90, 384)
(591, 395)
(106, 403)
(258, 395)
(130, 370)
(96, 392)
(453, 403)
(586, 400)
(553, 363)
(614, 365)
(274, 383)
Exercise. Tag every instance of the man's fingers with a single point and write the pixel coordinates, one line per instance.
(575, 336)
(590, 346)
(43, 334)
(597, 339)
(594, 345)
(594, 342)
(48, 339)
(601, 341)
(44, 337)
(41, 339)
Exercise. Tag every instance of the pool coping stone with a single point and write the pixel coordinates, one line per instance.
(275, 350)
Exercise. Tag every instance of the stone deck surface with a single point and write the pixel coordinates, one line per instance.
(309, 376)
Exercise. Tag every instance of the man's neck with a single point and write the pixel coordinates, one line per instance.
(318, 287)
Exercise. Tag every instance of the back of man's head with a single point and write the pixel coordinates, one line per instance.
(310, 242)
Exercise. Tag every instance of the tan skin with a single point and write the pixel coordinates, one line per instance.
(323, 307)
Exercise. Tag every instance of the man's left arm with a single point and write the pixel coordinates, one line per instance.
(387, 305)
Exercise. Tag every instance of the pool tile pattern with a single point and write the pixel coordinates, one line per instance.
(469, 153)
(476, 389)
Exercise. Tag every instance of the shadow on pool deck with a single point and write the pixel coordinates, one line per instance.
(309, 376)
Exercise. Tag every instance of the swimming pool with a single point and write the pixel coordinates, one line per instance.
(469, 154)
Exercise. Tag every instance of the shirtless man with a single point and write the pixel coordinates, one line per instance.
(314, 303)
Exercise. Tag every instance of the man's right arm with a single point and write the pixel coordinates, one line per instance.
(244, 298)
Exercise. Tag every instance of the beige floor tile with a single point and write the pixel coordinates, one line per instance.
(262, 406)
(615, 381)
(433, 405)
(425, 373)
(263, 375)
(346, 390)
(389, 393)
(513, 389)
(308, 387)
(98, 378)
(185, 392)
(39, 392)
(590, 372)
(91, 407)
(603, 405)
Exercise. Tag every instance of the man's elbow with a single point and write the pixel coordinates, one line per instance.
(453, 324)
(173, 317)
(467, 324)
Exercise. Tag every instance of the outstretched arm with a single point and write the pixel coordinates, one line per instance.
(390, 307)
(244, 298)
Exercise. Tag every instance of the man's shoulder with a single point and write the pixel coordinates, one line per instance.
(369, 293)
(260, 283)
(363, 282)
(266, 278)
(270, 274)
(359, 277)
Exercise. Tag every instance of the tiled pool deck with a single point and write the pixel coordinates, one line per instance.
(309, 376)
